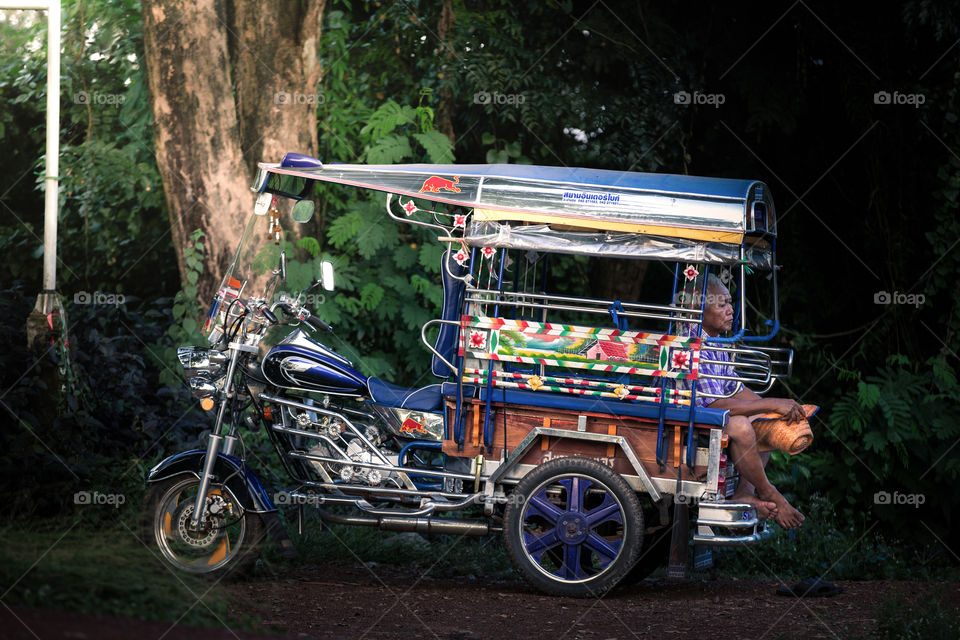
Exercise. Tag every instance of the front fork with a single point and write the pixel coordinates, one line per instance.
(217, 443)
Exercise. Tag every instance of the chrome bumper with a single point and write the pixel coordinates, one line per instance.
(728, 524)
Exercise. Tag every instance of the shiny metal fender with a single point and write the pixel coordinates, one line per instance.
(240, 479)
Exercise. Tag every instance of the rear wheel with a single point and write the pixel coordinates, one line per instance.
(226, 542)
(574, 527)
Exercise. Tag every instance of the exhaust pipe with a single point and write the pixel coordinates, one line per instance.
(418, 525)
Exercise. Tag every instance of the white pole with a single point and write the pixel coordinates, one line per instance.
(51, 181)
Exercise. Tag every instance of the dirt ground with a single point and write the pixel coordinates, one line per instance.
(376, 601)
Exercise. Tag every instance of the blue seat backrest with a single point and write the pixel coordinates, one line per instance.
(452, 300)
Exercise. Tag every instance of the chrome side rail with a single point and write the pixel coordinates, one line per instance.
(427, 505)
(423, 339)
(381, 466)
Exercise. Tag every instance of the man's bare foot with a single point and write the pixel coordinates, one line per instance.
(786, 516)
(765, 508)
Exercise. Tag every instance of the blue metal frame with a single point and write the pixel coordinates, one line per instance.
(420, 481)
(487, 431)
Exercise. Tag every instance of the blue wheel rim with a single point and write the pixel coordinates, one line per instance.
(572, 528)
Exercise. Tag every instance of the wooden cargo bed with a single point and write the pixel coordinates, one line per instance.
(513, 422)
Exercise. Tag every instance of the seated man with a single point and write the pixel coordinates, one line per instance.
(749, 461)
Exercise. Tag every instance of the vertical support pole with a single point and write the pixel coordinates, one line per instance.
(663, 381)
(459, 415)
(691, 452)
(51, 179)
(487, 426)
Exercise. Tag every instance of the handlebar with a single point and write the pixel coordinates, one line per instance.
(303, 315)
(317, 323)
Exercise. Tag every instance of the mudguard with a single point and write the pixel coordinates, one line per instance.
(239, 478)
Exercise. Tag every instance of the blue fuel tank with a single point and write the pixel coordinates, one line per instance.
(299, 362)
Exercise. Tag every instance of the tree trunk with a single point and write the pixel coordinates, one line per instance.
(445, 109)
(276, 76)
(211, 127)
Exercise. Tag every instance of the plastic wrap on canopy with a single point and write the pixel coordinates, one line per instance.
(611, 244)
(689, 207)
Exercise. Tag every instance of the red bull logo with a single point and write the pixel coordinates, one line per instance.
(434, 184)
(412, 426)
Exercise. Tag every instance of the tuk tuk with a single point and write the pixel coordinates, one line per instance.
(566, 422)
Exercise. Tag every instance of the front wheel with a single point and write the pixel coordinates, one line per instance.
(226, 542)
(574, 527)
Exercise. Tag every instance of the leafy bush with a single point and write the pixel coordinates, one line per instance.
(103, 426)
(928, 620)
(833, 545)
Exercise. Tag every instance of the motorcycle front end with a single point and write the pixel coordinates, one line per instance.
(205, 510)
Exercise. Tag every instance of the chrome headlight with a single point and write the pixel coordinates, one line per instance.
(204, 368)
(201, 362)
(202, 387)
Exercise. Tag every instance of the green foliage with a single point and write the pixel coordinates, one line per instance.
(187, 315)
(890, 434)
(837, 545)
(900, 618)
(503, 151)
(111, 202)
(387, 274)
(116, 416)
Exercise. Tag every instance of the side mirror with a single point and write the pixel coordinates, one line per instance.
(302, 211)
(326, 275)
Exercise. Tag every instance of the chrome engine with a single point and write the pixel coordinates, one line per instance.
(342, 446)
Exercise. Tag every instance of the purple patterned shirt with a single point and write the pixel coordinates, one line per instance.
(712, 385)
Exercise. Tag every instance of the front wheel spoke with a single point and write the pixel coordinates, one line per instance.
(221, 551)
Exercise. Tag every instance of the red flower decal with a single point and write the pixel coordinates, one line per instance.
(461, 257)
(478, 340)
(410, 208)
(680, 359)
(691, 272)
(459, 221)
(488, 252)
